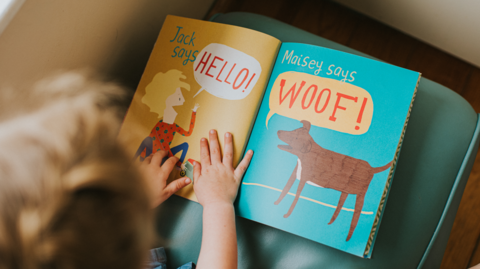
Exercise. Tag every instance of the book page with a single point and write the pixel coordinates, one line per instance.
(200, 76)
(325, 140)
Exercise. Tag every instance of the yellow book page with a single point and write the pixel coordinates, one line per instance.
(200, 76)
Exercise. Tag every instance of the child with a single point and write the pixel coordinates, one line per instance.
(161, 95)
(71, 198)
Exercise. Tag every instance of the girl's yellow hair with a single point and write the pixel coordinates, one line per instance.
(162, 86)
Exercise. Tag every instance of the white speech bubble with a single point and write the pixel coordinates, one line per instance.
(226, 72)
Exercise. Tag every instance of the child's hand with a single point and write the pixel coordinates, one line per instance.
(156, 177)
(216, 181)
(195, 107)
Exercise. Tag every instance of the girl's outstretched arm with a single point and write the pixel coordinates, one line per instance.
(216, 184)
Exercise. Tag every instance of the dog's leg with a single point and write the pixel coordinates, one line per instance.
(343, 197)
(299, 190)
(356, 214)
(289, 185)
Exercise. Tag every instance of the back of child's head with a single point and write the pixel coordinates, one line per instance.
(69, 195)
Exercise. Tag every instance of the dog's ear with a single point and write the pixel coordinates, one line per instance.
(306, 125)
(307, 146)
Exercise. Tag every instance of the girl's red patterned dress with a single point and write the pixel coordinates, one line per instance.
(162, 135)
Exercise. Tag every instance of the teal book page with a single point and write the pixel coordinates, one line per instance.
(325, 139)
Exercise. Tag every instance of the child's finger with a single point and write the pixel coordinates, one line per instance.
(148, 159)
(204, 152)
(242, 167)
(158, 157)
(214, 148)
(169, 164)
(228, 151)
(176, 185)
(197, 170)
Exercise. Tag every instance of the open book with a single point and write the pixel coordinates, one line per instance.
(325, 126)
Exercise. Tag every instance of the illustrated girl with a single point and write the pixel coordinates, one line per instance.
(161, 95)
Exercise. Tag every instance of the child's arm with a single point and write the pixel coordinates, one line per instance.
(156, 175)
(181, 131)
(216, 185)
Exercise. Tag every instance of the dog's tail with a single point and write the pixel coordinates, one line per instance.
(382, 168)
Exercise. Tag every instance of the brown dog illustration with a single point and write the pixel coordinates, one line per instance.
(324, 168)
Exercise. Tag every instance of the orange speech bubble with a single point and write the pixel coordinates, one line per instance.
(323, 101)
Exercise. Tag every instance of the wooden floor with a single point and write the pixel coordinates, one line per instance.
(342, 25)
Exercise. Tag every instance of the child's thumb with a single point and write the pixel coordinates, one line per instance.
(177, 185)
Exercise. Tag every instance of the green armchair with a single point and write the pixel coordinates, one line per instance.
(437, 156)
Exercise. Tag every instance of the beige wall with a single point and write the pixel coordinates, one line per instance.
(112, 37)
(452, 26)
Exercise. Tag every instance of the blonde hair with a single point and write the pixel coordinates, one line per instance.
(162, 86)
(70, 196)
